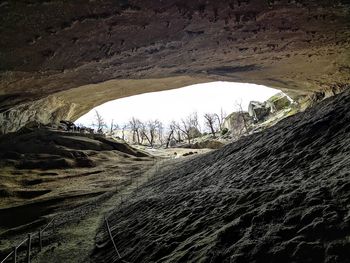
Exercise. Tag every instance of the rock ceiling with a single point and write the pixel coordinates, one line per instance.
(58, 59)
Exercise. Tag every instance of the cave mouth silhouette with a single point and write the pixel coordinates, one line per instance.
(78, 56)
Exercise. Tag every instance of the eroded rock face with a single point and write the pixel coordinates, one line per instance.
(49, 48)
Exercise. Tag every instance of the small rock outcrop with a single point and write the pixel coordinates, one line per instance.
(238, 123)
(280, 101)
(260, 110)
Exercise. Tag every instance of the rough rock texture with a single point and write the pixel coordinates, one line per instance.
(48, 149)
(281, 195)
(237, 123)
(53, 46)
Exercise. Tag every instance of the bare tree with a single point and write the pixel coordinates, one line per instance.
(239, 107)
(151, 130)
(171, 131)
(124, 127)
(135, 126)
(113, 127)
(142, 132)
(210, 122)
(99, 122)
(221, 118)
(160, 133)
(177, 131)
(188, 126)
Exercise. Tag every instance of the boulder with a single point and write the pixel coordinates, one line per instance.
(260, 110)
(236, 122)
(280, 101)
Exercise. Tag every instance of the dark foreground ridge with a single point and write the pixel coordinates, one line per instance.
(48, 149)
(281, 195)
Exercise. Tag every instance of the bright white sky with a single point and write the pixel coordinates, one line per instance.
(179, 103)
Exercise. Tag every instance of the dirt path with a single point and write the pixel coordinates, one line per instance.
(74, 241)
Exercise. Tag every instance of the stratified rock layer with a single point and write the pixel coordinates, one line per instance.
(49, 50)
(281, 195)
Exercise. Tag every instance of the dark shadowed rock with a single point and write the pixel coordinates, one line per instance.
(265, 198)
(47, 149)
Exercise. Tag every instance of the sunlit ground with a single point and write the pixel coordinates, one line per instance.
(179, 103)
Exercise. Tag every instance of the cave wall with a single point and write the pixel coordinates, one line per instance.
(58, 59)
(73, 103)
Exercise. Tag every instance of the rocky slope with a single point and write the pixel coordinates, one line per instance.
(281, 195)
(43, 172)
(59, 59)
(48, 149)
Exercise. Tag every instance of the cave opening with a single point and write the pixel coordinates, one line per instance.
(212, 109)
(262, 192)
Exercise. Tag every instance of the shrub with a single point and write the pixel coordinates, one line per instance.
(224, 131)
